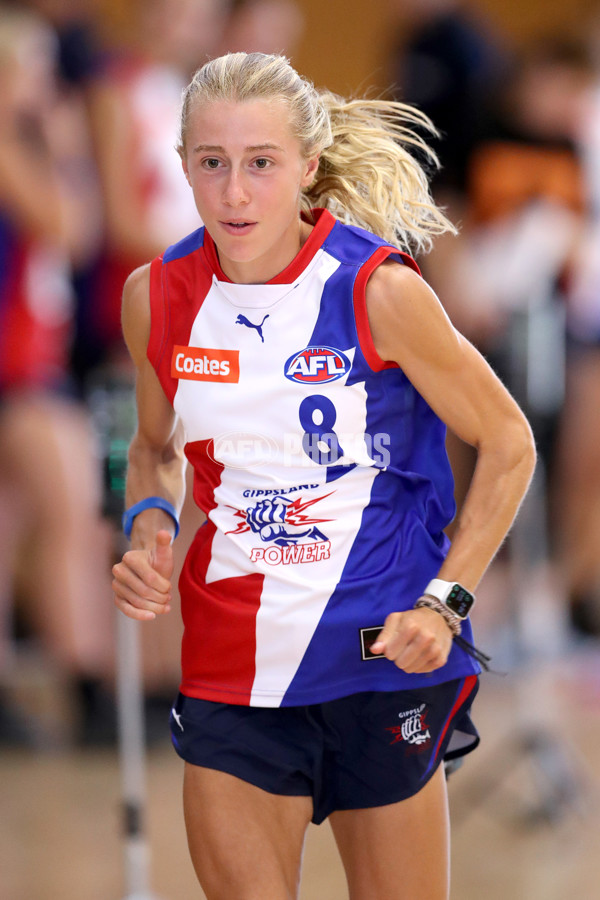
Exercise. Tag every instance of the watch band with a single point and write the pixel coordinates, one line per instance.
(452, 594)
(439, 589)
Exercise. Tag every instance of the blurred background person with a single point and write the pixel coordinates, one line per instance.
(576, 505)
(447, 61)
(80, 53)
(522, 175)
(509, 279)
(53, 549)
(133, 97)
(75, 24)
(134, 103)
(264, 26)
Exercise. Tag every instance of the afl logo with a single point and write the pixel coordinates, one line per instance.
(317, 365)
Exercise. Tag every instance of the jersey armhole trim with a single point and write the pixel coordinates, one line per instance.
(159, 312)
(363, 329)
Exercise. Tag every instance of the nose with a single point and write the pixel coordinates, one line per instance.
(235, 192)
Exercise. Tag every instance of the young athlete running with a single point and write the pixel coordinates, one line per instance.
(292, 351)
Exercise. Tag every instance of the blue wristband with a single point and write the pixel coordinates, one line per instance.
(149, 503)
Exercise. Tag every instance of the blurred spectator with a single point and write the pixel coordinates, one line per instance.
(135, 101)
(446, 62)
(75, 26)
(523, 174)
(79, 55)
(264, 26)
(509, 282)
(50, 531)
(577, 501)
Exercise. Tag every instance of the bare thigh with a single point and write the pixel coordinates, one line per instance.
(245, 843)
(400, 851)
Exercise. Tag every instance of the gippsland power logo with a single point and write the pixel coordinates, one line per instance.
(412, 730)
(287, 532)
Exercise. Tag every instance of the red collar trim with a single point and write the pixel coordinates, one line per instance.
(324, 222)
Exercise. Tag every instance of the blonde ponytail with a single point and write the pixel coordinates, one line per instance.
(367, 175)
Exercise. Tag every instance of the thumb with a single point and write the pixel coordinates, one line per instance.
(162, 558)
(388, 631)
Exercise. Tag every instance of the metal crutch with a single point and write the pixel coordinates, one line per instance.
(111, 402)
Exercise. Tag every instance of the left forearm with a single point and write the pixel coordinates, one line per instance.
(502, 475)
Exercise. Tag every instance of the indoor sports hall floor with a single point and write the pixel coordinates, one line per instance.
(525, 805)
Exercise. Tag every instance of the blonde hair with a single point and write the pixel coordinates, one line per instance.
(367, 175)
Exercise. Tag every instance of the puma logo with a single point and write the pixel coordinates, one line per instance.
(242, 320)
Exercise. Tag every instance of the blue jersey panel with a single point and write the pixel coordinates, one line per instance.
(401, 544)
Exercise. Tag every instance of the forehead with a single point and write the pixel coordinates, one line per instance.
(233, 123)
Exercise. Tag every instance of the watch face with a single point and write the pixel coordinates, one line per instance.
(460, 601)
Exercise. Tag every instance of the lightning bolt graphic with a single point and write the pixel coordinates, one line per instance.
(293, 514)
(243, 525)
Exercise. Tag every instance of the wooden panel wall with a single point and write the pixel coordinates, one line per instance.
(346, 41)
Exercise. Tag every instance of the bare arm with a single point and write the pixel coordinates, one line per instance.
(29, 189)
(47, 184)
(156, 468)
(410, 327)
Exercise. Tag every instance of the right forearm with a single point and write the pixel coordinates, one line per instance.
(156, 460)
(154, 473)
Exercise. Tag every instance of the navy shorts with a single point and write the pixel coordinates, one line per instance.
(365, 750)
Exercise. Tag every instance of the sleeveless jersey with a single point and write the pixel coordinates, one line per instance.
(322, 472)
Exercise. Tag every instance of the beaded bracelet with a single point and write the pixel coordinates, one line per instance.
(452, 621)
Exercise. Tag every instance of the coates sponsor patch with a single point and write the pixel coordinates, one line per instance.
(317, 365)
(205, 364)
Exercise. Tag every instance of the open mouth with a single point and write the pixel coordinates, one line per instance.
(237, 227)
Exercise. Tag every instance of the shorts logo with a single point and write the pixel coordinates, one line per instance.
(287, 533)
(205, 364)
(413, 729)
(317, 365)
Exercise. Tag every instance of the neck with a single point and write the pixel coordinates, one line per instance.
(271, 264)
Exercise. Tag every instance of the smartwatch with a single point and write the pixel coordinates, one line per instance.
(453, 595)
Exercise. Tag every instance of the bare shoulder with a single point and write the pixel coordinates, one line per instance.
(138, 281)
(135, 312)
(405, 315)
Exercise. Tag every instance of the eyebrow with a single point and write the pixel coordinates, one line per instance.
(253, 148)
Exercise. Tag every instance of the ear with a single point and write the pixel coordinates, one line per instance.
(184, 166)
(310, 171)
